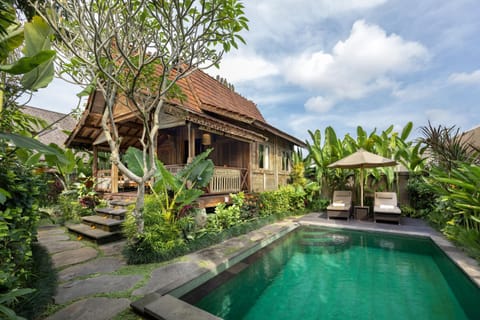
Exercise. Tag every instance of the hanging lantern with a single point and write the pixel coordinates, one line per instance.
(206, 139)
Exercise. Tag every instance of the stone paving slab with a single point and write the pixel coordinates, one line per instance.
(92, 309)
(42, 231)
(59, 246)
(75, 256)
(102, 284)
(164, 275)
(112, 249)
(101, 265)
(53, 237)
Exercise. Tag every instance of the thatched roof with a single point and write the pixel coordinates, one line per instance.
(61, 122)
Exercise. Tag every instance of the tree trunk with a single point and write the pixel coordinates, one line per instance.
(138, 211)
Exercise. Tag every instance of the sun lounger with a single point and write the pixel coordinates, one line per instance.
(385, 207)
(341, 205)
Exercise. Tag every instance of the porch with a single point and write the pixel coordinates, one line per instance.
(225, 180)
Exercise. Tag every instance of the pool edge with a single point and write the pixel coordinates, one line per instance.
(253, 242)
(467, 264)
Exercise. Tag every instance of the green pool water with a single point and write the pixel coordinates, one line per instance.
(333, 274)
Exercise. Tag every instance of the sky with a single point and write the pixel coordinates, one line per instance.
(309, 64)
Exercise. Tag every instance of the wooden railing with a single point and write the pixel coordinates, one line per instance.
(224, 180)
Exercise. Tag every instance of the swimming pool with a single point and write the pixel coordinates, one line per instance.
(321, 273)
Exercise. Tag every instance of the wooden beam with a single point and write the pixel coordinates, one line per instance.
(95, 161)
(114, 177)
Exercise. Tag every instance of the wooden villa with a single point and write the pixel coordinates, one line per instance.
(249, 154)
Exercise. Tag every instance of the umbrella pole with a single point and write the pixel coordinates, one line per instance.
(361, 187)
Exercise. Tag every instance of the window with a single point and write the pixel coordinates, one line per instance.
(263, 156)
(286, 160)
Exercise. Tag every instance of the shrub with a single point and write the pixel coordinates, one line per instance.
(43, 280)
(18, 220)
(285, 200)
(420, 193)
(229, 215)
(318, 204)
(162, 238)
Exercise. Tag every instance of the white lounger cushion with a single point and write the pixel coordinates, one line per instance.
(386, 206)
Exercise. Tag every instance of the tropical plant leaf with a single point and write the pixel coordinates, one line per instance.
(134, 159)
(11, 40)
(37, 39)
(29, 143)
(27, 64)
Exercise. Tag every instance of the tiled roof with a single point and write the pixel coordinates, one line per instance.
(212, 93)
(204, 93)
(204, 96)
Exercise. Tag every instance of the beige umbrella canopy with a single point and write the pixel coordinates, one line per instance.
(362, 159)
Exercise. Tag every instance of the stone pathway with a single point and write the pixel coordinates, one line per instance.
(83, 271)
(86, 271)
(91, 288)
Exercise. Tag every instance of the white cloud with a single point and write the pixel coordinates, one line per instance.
(319, 104)
(277, 19)
(465, 78)
(365, 62)
(242, 65)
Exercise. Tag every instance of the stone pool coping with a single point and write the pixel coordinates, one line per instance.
(176, 279)
(408, 226)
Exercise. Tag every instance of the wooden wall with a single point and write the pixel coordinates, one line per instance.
(228, 152)
(273, 176)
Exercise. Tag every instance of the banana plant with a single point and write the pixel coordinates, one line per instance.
(321, 155)
(175, 191)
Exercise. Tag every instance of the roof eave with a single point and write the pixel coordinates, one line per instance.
(269, 128)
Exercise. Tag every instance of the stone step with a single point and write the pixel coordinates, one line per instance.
(97, 235)
(103, 223)
(121, 203)
(118, 214)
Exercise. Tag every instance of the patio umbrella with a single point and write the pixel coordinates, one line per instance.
(362, 159)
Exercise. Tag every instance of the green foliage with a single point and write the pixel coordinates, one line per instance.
(165, 239)
(177, 191)
(454, 180)
(285, 200)
(420, 193)
(10, 298)
(162, 238)
(69, 208)
(37, 64)
(227, 216)
(318, 204)
(460, 190)
(43, 281)
(447, 146)
(18, 219)
(469, 239)
(388, 144)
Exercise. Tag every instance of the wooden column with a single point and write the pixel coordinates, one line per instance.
(114, 178)
(191, 142)
(275, 160)
(95, 162)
